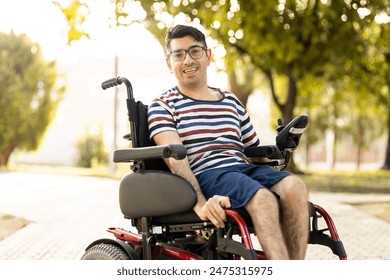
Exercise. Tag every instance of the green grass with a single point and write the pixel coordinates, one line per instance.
(349, 181)
(98, 171)
(380, 210)
(327, 181)
(9, 224)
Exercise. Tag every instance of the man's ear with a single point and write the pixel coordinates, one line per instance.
(168, 60)
(208, 52)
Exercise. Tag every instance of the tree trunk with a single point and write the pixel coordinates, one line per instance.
(358, 157)
(286, 109)
(386, 165)
(5, 155)
(288, 115)
(307, 155)
(289, 106)
(237, 89)
(359, 148)
(334, 151)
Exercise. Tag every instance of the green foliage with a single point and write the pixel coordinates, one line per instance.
(76, 14)
(319, 57)
(91, 151)
(28, 94)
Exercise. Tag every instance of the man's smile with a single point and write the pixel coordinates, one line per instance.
(190, 70)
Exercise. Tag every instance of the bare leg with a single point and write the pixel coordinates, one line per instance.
(265, 213)
(294, 215)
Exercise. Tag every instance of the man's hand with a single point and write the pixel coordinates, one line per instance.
(213, 210)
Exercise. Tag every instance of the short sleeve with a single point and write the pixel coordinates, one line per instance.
(160, 118)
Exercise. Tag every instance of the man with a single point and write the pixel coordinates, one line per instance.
(214, 127)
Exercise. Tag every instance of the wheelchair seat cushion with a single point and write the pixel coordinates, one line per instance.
(155, 193)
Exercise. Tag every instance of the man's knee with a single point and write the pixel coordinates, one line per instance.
(298, 184)
(291, 185)
(262, 199)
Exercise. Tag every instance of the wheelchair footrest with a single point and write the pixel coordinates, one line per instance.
(320, 238)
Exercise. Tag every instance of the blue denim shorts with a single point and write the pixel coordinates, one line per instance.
(239, 182)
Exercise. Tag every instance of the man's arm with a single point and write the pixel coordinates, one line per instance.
(207, 210)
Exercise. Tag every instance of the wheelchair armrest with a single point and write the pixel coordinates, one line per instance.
(153, 152)
(268, 151)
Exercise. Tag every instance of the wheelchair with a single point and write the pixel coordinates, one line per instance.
(159, 203)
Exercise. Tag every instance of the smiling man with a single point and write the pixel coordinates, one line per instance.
(215, 128)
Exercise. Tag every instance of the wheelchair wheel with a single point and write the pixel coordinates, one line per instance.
(105, 252)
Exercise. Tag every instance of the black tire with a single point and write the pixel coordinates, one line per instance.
(105, 252)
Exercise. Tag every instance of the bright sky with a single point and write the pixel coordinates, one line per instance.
(38, 19)
(43, 22)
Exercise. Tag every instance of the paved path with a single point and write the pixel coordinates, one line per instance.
(69, 212)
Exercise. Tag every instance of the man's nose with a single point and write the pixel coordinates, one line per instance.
(188, 59)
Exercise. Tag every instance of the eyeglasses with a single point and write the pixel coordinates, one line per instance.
(195, 52)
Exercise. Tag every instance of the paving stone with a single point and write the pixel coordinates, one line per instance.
(69, 212)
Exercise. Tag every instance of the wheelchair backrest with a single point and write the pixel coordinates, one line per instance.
(140, 133)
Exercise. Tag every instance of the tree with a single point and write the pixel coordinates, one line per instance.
(383, 47)
(313, 92)
(366, 88)
(28, 94)
(286, 41)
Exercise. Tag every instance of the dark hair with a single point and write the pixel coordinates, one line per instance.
(181, 31)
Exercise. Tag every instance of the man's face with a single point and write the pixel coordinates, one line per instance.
(190, 72)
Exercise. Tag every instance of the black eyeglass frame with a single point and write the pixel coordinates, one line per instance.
(187, 51)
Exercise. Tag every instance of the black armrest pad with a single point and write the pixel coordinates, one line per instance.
(164, 151)
(268, 151)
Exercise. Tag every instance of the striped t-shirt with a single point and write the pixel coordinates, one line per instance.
(213, 132)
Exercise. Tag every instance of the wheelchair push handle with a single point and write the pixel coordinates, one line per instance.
(113, 82)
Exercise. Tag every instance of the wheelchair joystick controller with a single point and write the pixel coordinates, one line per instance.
(280, 126)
